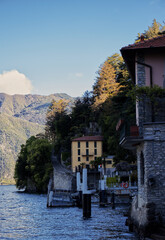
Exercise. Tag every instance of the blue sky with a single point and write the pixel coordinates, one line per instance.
(55, 46)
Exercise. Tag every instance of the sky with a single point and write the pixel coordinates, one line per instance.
(57, 46)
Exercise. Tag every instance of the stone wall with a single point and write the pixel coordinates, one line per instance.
(140, 70)
(63, 181)
(154, 155)
(148, 208)
(63, 178)
(140, 81)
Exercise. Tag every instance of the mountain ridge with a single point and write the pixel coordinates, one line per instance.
(21, 116)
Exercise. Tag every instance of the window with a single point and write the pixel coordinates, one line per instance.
(95, 151)
(95, 158)
(95, 144)
(78, 144)
(79, 159)
(87, 159)
(87, 144)
(78, 151)
(87, 152)
(109, 162)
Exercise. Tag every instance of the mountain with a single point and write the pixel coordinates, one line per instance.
(21, 116)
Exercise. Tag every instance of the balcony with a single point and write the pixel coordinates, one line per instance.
(129, 135)
(84, 154)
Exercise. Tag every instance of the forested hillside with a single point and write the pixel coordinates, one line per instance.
(21, 116)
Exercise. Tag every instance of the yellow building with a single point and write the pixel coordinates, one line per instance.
(85, 149)
(109, 161)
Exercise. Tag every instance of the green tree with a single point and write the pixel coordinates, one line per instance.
(63, 126)
(115, 107)
(34, 164)
(81, 114)
(55, 110)
(120, 68)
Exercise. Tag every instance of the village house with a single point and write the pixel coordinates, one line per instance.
(84, 150)
(108, 165)
(145, 61)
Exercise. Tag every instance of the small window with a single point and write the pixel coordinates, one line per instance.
(95, 144)
(95, 158)
(87, 159)
(95, 151)
(87, 152)
(78, 151)
(109, 162)
(87, 144)
(78, 144)
(79, 159)
(87, 166)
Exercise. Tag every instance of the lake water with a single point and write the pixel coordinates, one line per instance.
(25, 216)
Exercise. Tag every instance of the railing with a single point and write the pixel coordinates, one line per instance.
(128, 130)
(88, 154)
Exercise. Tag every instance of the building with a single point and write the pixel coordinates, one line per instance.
(84, 150)
(108, 165)
(146, 63)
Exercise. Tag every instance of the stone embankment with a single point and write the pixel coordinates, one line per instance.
(61, 185)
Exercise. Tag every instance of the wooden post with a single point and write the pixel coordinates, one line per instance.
(86, 197)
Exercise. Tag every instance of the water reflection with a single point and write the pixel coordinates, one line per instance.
(25, 216)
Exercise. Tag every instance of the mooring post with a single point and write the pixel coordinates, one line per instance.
(86, 197)
(50, 199)
(79, 190)
(103, 194)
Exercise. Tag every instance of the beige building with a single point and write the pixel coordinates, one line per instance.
(85, 149)
(109, 162)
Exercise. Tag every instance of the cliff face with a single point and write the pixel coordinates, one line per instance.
(29, 107)
(21, 116)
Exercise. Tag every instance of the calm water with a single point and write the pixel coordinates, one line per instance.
(25, 216)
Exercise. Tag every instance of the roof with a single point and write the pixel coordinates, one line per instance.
(157, 42)
(89, 138)
(129, 51)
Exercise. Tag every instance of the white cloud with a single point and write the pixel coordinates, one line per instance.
(79, 75)
(14, 82)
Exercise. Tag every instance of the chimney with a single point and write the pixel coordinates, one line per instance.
(142, 38)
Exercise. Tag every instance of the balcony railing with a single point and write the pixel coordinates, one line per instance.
(128, 130)
(129, 135)
(88, 154)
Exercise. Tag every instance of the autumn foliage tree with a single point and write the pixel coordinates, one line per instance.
(155, 30)
(113, 107)
(56, 110)
(105, 85)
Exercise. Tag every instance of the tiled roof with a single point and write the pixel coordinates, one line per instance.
(157, 42)
(88, 138)
(129, 52)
